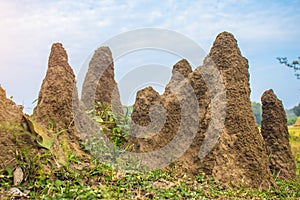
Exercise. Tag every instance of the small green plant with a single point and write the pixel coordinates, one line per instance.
(117, 124)
(6, 177)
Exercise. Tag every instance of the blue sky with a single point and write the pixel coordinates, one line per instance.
(264, 30)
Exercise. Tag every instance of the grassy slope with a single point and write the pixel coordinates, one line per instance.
(97, 181)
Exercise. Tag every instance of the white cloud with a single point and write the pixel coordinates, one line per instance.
(28, 28)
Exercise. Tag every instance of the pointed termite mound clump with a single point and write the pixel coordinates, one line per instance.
(142, 126)
(57, 96)
(180, 71)
(190, 162)
(239, 155)
(166, 121)
(166, 124)
(99, 83)
(183, 100)
(275, 132)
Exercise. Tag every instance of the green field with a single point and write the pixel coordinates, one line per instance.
(295, 144)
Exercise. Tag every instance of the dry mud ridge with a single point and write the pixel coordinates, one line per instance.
(240, 155)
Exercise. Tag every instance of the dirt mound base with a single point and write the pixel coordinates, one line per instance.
(275, 132)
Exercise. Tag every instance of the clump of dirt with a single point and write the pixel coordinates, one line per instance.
(99, 83)
(10, 123)
(275, 132)
(239, 155)
(57, 99)
(145, 98)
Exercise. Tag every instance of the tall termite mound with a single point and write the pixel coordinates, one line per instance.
(99, 83)
(57, 97)
(239, 156)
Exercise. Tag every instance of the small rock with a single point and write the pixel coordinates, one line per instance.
(18, 176)
(16, 193)
(163, 184)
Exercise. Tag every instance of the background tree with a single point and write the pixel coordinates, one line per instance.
(257, 111)
(296, 110)
(294, 64)
(293, 113)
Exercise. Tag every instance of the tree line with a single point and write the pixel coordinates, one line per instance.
(292, 114)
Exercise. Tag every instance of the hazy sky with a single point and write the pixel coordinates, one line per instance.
(264, 30)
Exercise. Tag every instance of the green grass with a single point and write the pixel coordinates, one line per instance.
(44, 179)
(98, 181)
(94, 180)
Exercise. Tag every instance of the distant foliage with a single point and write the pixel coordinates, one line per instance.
(296, 110)
(290, 113)
(292, 121)
(257, 111)
(294, 64)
